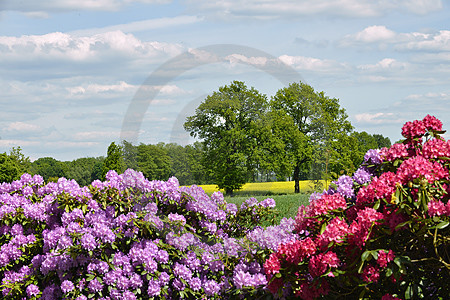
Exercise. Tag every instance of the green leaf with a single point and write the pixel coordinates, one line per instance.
(442, 225)
(323, 227)
(365, 255)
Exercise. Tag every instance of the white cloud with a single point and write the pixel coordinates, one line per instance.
(22, 127)
(430, 95)
(71, 5)
(96, 135)
(313, 64)
(295, 8)
(101, 88)
(239, 58)
(386, 64)
(377, 118)
(381, 37)
(141, 25)
(63, 46)
(438, 41)
(374, 34)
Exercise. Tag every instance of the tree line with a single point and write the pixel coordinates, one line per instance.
(243, 135)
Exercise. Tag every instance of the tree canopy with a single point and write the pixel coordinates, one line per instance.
(227, 123)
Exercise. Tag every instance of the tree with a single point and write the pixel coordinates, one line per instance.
(153, 161)
(113, 160)
(317, 123)
(9, 169)
(48, 168)
(82, 169)
(225, 122)
(382, 141)
(23, 161)
(129, 153)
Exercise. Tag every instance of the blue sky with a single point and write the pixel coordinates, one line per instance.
(77, 75)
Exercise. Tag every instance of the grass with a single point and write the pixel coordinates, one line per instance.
(281, 191)
(287, 205)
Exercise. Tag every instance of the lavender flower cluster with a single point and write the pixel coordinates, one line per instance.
(346, 185)
(130, 238)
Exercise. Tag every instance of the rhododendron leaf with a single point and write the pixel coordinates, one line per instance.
(442, 225)
(389, 272)
(377, 204)
(365, 255)
(402, 224)
(323, 227)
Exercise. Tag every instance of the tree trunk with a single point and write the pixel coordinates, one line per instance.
(229, 192)
(297, 178)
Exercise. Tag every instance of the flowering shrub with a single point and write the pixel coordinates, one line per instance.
(381, 234)
(130, 238)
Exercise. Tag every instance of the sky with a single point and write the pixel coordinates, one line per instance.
(76, 75)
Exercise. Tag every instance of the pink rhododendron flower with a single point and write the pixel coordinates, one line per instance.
(308, 291)
(370, 274)
(272, 265)
(295, 251)
(432, 123)
(385, 257)
(359, 229)
(379, 188)
(413, 129)
(335, 231)
(319, 263)
(419, 167)
(394, 218)
(320, 206)
(438, 208)
(394, 152)
(436, 148)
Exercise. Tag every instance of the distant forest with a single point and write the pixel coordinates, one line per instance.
(156, 161)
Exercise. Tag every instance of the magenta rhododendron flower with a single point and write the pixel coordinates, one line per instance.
(385, 257)
(432, 123)
(419, 167)
(322, 205)
(336, 231)
(379, 188)
(320, 263)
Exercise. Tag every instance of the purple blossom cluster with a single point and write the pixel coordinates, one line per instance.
(129, 238)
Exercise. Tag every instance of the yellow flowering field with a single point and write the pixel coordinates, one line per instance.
(259, 188)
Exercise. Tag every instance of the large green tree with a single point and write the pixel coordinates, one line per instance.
(315, 129)
(153, 161)
(113, 160)
(226, 123)
(49, 168)
(9, 169)
(82, 169)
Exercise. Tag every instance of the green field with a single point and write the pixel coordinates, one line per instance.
(287, 205)
(281, 191)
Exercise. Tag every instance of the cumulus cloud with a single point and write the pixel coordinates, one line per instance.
(438, 41)
(63, 46)
(377, 118)
(313, 64)
(22, 127)
(382, 37)
(386, 64)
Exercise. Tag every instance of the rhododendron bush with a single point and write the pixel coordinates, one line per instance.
(382, 233)
(130, 238)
